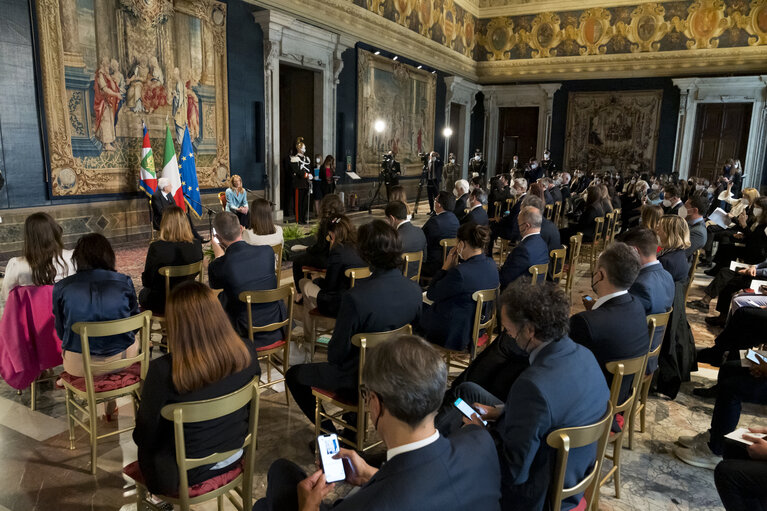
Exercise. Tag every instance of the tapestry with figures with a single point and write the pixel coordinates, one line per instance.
(612, 131)
(110, 65)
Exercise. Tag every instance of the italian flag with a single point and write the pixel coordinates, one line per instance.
(148, 180)
(170, 170)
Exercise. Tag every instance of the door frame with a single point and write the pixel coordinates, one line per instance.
(741, 89)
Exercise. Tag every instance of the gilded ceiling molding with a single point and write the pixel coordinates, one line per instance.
(704, 24)
(500, 38)
(647, 28)
(755, 23)
(545, 35)
(593, 33)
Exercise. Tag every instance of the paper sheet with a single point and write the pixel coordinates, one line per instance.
(737, 435)
(720, 218)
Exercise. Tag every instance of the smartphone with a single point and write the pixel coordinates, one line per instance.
(588, 298)
(467, 410)
(328, 447)
(755, 357)
(214, 235)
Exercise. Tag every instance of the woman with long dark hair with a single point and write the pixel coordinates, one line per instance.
(44, 260)
(207, 359)
(262, 229)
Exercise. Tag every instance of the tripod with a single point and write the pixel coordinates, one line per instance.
(420, 190)
(381, 182)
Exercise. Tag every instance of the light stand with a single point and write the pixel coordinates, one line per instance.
(209, 211)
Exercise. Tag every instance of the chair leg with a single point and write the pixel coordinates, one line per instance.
(316, 417)
(285, 365)
(33, 396)
(642, 417)
(617, 447)
(220, 502)
(70, 419)
(361, 428)
(93, 426)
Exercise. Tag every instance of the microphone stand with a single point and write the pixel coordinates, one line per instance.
(210, 214)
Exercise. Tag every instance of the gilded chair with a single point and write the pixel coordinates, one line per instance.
(484, 321)
(278, 248)
(557, 263)
(691, 275)
(575, 251)
(172, 272)
(411, 258)
(595, 245)
(446, 245)
(538, 270)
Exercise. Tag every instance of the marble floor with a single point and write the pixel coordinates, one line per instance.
(38, 471)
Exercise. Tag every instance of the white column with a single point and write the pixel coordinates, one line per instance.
(272, 122)
(680, 126)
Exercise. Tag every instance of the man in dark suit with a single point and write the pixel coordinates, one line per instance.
(440, 226)
(161, 199)
(563, 387)
(533, 172)
(433, 178)
(654, 286)
(461, 193)
(556, 193)
(386, 300)
(413, 239)
(237, 267)
(696, 207)
(507, 227)
(477, 213)
(613, 327)
(549, 231)
(671, 201)
(530, 251)
(405, 381)
(565, 189)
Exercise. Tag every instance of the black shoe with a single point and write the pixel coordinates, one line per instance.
(710, 356)
(698, 305)
(711, 272)
(716, 320)
(706, 392)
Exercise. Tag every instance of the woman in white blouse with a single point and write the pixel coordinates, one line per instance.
(45, 260)
(262, 229)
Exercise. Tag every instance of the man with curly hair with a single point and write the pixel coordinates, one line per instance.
(563, 387)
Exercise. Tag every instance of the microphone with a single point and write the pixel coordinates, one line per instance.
(264, 197)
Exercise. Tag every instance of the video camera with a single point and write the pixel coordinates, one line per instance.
(390, 168)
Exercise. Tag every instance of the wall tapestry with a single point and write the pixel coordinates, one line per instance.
(612, 131)
(398, 100)
(109, 65)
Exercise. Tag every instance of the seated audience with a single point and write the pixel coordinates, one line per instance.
(653, 286)
(413, 239)
(461, 192)
(696, 207)
(206, 359)
(404, 381)
(614, 327)
(674, 237)
(587, 222)
(448, 320)
(753, 238)
(477, 213)
(237, 200)
(725, 285)
(740, 216)
(563, 387)
(745, 328)
(606, 201)
(95, 293)
(361, 310)
(398, 193)
(549, 231)
(325, 292)
(442, 225)
(672, 202)
(741, 477)
(735, 385)
(499, 192)
(176, 247)
(44, 260)
(316, 256)
(508, 227)
(239, 267)
(650, 216)
(530, 251)
(262, 229)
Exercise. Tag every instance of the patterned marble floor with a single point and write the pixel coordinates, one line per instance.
(39, 472)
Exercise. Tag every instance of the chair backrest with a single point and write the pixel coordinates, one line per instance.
(608, 228)
(186, 270)
(412, 258)
(483, 297)
(504, 250)
(557, 263)
(576, 241)
(691, 274)
(278, 261)
(222, 200)
(88, 329)
(510, 203)
(209, 409)
(621, 369)
(355, 274)
(285, 293)
(548, 211)
(497, 212)
(447, 244)
(565, 439)
(616, 221)
(557, 212)
(656, 325)
(369, 340)
(537, 270)
(599, 224)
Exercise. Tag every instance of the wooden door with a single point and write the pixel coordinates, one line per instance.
(721, 133)
(517, 134)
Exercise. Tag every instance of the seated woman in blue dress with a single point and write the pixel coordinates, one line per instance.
(237, 200)
(449, 319)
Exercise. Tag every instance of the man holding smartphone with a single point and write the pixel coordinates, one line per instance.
(404, 381)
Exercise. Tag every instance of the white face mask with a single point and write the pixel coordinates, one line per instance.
(534, 166)
(545, 156)
(655, 186)
(317, 160)
(477, 157)
(452, 160)
(667, 203)
(302, 149)
(757, 212)
(711, 189)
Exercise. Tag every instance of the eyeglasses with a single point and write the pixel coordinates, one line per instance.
(366, 393)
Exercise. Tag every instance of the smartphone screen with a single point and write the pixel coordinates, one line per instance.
(588, 298)
(755, 357)
(467, 410)
(328, 447)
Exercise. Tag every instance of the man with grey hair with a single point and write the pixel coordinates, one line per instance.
(476, 213)
(530, 251)
(161, 199)
(549, 231)
(461, 192)
(403, 383)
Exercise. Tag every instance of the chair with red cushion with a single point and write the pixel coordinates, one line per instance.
(119, 378)
(481, 332)
(348, 404)
(239, 479)
(269, 353)
(566, 439)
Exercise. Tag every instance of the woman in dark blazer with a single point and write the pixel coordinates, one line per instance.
(449, 319)
(587, 221)
(176, 247)
(343, 256)
(752, 235)
(207, 359)
(674, 235)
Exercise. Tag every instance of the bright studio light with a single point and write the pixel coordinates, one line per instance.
(447, 131)
(395, 57)
(379, 126)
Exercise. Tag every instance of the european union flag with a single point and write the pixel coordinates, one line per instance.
(188, 170)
